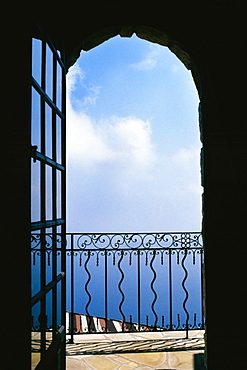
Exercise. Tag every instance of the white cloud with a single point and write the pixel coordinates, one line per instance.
(90, 93)
(149, 61)
(115, 139)
(118, 139)
(84, 143)
(176, 68)
(93, 93)
(186, 167)
(74, 76)
(186, 156)
(129, 138)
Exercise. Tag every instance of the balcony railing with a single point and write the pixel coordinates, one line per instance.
(130, 282)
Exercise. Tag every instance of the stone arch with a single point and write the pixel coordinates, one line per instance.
(147, 33)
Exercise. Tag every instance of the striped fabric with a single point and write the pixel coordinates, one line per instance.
(81, 323)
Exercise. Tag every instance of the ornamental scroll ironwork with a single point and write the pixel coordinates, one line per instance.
(138, 240)
(47, 243)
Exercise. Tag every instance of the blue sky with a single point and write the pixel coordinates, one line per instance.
(133, 144)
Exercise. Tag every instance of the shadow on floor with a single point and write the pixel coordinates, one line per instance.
(199, 361)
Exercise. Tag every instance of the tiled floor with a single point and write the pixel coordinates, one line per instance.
(160, 350)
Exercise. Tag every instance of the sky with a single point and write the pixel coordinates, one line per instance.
(133, 148)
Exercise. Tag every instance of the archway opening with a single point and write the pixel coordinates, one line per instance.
(134, 182)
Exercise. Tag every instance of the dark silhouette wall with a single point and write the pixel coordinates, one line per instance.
(210, 38)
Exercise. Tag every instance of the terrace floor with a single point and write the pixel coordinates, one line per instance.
(140, 350)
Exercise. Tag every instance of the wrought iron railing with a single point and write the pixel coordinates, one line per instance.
(131, 282)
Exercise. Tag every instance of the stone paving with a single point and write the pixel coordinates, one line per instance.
(152, 350)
